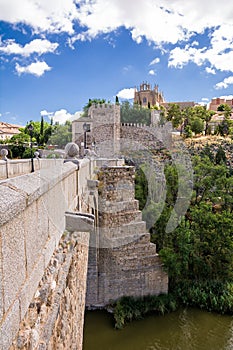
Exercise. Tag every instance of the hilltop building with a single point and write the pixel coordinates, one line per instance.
(216, 102)
(146, 97)
(8, 130)
(182, 105)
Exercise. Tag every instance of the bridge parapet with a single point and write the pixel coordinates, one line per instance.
(15, 167)
(32, 223)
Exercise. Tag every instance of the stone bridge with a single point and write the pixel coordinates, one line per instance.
(71, 235)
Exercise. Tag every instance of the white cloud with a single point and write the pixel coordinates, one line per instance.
(155, 25)
(210, 70)
(61, 116)
(127, 94)
(45, 113)
(180, 57)
(152, 72)
(157, 21)
(36, 68)
(227, 97)
(38, 46)
(205, 99)
(219, 54)
(162, 21)
(202, 103)
(225, 83)
(50, 16)
(155, 61)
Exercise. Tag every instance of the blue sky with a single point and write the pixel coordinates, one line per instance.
(56, 54)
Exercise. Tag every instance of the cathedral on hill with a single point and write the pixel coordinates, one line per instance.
(148, 97)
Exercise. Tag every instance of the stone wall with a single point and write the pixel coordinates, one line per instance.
(16, 167)
(56, 313)
(43, 276)
(32, 222)
(11, 168)
(125, 262)
(110, 138)
(141, 137)
(104, 121)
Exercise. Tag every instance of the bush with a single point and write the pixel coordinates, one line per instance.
(214, 296)
(128, 309)
(209, 295)
(28, 153)
(17, 151)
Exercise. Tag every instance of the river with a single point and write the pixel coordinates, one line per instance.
(186, 329)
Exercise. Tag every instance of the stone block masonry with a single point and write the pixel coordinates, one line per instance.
(32, 222)
(125, 263)
(55, 316)
(104, 121)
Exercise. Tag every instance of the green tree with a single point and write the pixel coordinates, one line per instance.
(202, 113)
(41, 131)
(20, 139)
(188, 131)
(90, 103)
(135, 114)
(206, 151)
(174, 114)
(221, 107)
(197, 125)
(42, 126)
(225, 108)
(220, 156)
(207, 118)
(141, 188)
(198, 254)
(61, 135)
(226, 126)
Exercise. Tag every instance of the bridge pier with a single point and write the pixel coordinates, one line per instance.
(124, 263)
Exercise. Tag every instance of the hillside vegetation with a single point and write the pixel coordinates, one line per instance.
(198, 254)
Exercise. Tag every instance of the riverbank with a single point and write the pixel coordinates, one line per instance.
(184, 329)
(212, 296)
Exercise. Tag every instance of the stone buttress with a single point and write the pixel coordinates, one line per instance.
(125, 262)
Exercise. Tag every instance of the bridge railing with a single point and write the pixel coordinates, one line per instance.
(11, 168)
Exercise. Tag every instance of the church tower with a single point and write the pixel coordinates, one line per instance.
(148, 97)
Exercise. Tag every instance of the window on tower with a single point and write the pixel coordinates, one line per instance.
(144, 100)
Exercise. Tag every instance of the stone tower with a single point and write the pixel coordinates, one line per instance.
(104, 125)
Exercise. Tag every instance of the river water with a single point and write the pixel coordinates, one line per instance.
(186, 329)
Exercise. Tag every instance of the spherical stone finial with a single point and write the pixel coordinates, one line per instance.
(4, 153)
(37, 154)
(72, 150)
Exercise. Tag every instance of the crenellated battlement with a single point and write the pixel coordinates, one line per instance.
(102, 105)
